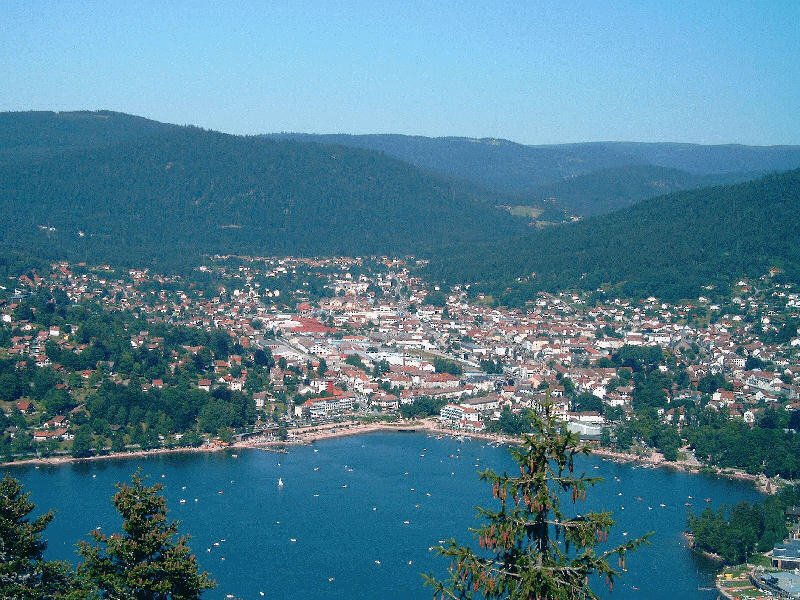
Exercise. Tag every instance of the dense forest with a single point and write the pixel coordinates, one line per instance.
(105, 187)
(677, 246)
(736, 533)
(583, 179)
(609, 190)
(41, 133)
(176, 195)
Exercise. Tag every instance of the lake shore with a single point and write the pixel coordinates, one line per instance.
(317, 433)
(64, 460)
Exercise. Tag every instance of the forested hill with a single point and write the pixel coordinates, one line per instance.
(611, 175)
(168, 195)
(41, 133)
(681, 245)
(607, 190)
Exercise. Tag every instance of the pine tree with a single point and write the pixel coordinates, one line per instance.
(23, 573)
(529, 548)
(146, 562)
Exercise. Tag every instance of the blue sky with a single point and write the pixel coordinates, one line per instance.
(535, 72)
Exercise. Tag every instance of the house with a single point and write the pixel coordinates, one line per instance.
(26, 407)
(56, 422)
(55, 434)
(386, 402)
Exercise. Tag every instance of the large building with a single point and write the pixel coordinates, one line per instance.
(319, 408)
(786, 555)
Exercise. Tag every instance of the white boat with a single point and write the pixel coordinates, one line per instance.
(280, 482)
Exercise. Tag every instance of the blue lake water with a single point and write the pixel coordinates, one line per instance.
(356, 516)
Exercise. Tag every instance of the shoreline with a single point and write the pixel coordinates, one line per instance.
(55, 461)
(312, 434)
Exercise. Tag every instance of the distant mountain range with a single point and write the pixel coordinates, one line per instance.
(582, 179)
(110, 187)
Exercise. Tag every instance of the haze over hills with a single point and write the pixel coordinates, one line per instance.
(608, 190)
(109, 187)
(611, 175)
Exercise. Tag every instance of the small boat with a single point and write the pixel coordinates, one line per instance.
(182, 501)
(280, 482)
(708, 499)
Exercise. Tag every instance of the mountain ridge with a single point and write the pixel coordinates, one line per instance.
(183, 192)
(109, 187)
(533, 174)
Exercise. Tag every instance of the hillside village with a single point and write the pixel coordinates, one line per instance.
(350, 338)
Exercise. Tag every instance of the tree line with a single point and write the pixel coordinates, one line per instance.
(148, 560)
(735, 533)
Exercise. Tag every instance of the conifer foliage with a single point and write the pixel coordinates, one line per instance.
(528, 547)
(23, 573)
(146, 561)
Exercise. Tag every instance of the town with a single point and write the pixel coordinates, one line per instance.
(316, 340)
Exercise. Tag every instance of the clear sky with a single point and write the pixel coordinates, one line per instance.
(535, 72)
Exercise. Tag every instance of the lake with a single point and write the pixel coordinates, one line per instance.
(356, 516)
